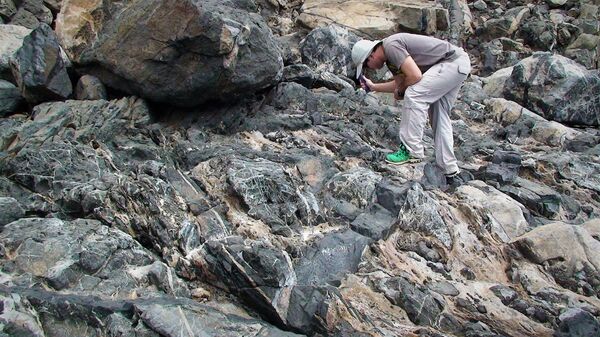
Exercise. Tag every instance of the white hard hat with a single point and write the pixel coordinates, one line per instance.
(360, 51)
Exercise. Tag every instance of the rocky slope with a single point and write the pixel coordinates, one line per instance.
(205, 168)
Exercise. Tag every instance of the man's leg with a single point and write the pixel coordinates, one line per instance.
(439, 115)
(440, 86)
(437, 82)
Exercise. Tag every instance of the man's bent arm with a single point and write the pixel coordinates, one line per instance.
(411, 75)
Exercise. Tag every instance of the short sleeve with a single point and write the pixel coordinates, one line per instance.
(396, 54)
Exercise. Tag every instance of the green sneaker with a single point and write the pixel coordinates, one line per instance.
(402, 156)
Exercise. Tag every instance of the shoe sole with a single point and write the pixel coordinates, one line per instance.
(410, 161)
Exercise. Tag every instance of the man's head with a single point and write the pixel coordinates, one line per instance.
(360, 53)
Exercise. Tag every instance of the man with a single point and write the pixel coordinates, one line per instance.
(428, 73)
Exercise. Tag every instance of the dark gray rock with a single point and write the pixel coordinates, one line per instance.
(262, 276)
(85, 256)
(582, 142)
(308, 310)
(90, 88)
(503, 26)
(583, 171)
(422, 308)
(540, 199)
(539, 33)
(270, 194)
(25, 18)
(333, 82)
(391, 196)
(556, 88)
(330, 259)
(182, 317)
(507, 157)
(444, 288)
(38, 9)
(39, 68)
(479, 329)
(502, 53)
(504, 174)
(289, 45)
(26, 311)
(577, 323)
(506, 294)
(329, 49)
(10, 98)
(352, 192)
(202, 50)
(10, 210)
(421, 213)
(374, 224)
(300, 73)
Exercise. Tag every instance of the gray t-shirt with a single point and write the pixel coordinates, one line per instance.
(425, 50)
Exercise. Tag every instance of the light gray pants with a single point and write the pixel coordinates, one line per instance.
(434, 95)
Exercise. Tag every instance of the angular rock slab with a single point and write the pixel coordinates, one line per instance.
(36, 312)
(178, 52)
(557, 88)
(262, 276)
(570, 253)
(330, 259)
(39, 68)
(376, 18)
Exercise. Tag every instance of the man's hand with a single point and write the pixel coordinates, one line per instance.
(365, 83)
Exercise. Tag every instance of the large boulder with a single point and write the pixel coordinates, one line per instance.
(178, 52)
(39, 68)
(376, 18)
(329, 49)
(569, 253)
(557, 88)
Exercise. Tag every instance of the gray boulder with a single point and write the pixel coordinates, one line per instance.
(329, 49)
(35, 9)
(260, 275)
(556, 88)
(352, 192)
(90, 88)
(330, 259)
(39, 69)
(270, 194)
(193, 51)
(577, 323)
(421, 306)
(84, 256)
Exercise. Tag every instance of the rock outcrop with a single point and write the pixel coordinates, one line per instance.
(178, 52)
(254, 199)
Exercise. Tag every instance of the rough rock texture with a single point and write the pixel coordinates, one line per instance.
(193, 51)
(276, 214)
(39, 68)
(90, 88)
(375, 18)
(10, 98)
(557, 88)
